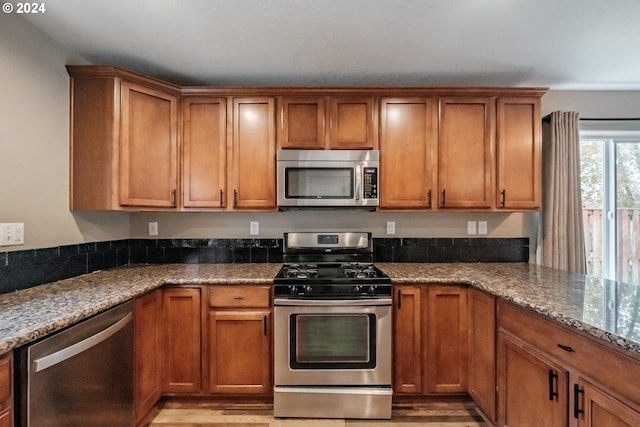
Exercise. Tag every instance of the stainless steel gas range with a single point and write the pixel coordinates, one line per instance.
(332, 329)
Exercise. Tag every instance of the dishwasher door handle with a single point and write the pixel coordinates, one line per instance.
(77, 348)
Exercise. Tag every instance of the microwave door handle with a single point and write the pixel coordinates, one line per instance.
(358, 181)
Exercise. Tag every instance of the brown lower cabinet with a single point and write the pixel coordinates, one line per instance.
(482, 351)
(521, 369)
(147, 311)
(6, 390)
(430, 339)
(533, 389)
(239, 339)
(181, 329)
(549, 375)
(202, 340)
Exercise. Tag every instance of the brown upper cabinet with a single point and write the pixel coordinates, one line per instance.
(124, 140)
(318, 122)
(254, 153)
(465, 152)
(408, 145)
(302, 123)
(204, 152)
(519, 153)
(140, 143)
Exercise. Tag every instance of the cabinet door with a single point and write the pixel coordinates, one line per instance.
(447, 339)
(148, 349)
(302, 123)
(181, 356)
(352, 123)
(204, 152)
(6, 390)
(533, 390)
(407, 336)
(407, 152)
(594, 407)
(465, 153)
(254, 153)
(519, 153)
(240, 352)
(482, 351)
(148, 147)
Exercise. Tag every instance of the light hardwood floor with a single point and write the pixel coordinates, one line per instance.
(178, 414)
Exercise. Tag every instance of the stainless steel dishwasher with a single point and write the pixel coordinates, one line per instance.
(82, 376)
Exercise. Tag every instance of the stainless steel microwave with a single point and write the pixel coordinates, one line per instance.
(328, 179)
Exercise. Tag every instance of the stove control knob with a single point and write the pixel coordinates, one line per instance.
(293, 290)
(307, 290)
(357, 289)
(372, 290)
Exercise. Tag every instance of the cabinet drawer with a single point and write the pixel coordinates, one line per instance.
(610, 367)
(234, 296)
(6, 385)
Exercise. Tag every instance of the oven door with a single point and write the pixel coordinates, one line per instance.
(332, 342)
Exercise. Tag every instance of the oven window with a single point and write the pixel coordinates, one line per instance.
(332, 341)
(319, 183)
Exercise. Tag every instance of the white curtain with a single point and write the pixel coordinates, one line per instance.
(562, 229)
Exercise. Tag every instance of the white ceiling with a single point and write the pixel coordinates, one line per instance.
(562, 44)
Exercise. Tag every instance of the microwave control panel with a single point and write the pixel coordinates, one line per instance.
(370, 183)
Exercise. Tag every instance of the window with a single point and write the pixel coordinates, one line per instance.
(610, 169)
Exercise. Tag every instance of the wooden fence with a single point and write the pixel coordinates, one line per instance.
(628, 224)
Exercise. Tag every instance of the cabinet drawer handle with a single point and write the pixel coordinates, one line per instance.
(238, 297)
(221, 198)
(444, 194)
(576, 401)
(504, 198)
(399, 300)
(565, 348)
(173, 198)
(265, 325)
(553, 377)
(429, 198)
(235, 198)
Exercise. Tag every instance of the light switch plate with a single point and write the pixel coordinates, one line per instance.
(482, 227)
(391, 227)
(153, 229)
(471, 227)
(11, 233)
(254, 228)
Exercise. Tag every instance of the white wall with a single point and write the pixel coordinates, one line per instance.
(593, 104)
(34, 141)
(34, 135)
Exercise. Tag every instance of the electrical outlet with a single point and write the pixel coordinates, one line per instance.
(153, 229)
(391, 227)
(254, 228)
(12, 234)
(482, 227)
(471, 227)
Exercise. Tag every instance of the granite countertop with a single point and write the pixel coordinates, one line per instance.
(605, 309)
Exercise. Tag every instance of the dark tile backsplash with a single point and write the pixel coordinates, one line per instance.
(451, 250)
(24, 269)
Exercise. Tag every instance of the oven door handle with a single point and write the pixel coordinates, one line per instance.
(332, 302)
